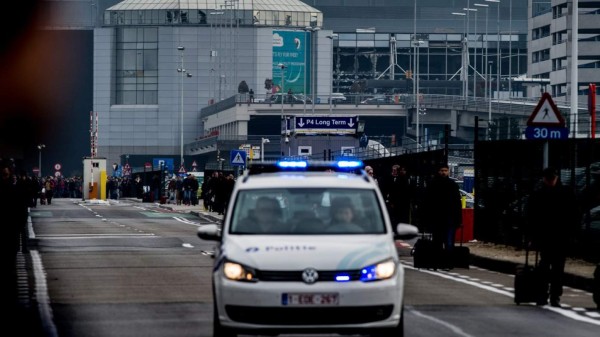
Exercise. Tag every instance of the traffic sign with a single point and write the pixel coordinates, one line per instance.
(182, 169)
(546, 113)
(326, 124)
(237, 158)
(546, 132)
(57, 174)
(148, 165)
(57, 166)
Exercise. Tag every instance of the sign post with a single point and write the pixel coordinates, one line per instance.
(592, 109)
(546, 122)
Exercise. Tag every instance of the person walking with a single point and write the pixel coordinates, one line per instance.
(251, 94)
(443, 213)
(553, 217)
(370, 172)
(398, 192)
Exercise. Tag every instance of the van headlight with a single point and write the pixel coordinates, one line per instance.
(379, 271)
(237, 272)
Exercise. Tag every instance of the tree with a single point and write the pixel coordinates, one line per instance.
(243, 87)
(268, 84)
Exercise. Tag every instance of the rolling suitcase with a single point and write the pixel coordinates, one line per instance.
(426, 254)
(528, 281)
(461, 255)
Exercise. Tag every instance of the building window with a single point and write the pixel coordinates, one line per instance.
(136, 66)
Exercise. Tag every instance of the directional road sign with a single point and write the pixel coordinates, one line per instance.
(325, 124)
(237, 158)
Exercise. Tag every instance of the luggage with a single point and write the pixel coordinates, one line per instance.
(461, 255)
(426, 254)
(597, 286)
(528, 281)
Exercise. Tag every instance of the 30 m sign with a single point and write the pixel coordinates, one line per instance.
(546, 132)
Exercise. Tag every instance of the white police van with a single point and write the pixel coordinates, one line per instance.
(304, 248)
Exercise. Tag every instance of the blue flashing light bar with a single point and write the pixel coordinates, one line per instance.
(292, 164)
(349, 163)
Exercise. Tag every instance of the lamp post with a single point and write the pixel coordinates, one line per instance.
(464, 71)
(312, 63)
(490, 103)
(497, 2)
(184, 73)
(417, 45)
(331, 37)
(40, 147)
(485, 61)
(283, 134)
(468, 9)
(263, 141)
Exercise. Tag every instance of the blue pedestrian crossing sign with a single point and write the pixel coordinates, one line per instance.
(238, 158)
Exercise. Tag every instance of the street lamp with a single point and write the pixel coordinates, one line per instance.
(490, 102)
(282, 67)
(464, 71)
(497, 2)
(263, 141)
(331, 37)
(183, 73)
(40, 147)
(484, 62)
(312, 63)
(417, 45)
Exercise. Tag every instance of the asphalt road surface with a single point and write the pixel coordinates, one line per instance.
(133, 269)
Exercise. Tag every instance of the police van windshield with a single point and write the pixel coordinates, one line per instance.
(309, 211)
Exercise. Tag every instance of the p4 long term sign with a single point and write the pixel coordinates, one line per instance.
(325, 124)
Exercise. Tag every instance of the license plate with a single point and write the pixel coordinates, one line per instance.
(310, 299)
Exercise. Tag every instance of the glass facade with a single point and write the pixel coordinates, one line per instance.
(366, 56)
(136, 66)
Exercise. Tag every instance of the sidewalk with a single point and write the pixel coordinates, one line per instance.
(579, 274)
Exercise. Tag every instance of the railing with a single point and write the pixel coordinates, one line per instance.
(516, 105)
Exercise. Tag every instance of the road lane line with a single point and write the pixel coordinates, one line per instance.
(567, 312)
(456, 330)
(41, 293)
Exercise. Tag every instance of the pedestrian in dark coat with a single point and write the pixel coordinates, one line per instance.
(398, 193)
(553, 217)
(443, 212)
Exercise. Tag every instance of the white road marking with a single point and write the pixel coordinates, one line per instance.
(96, 236)
(43, 299)
(186, 221)
(187, 245)
(456, 330)
(564, 311)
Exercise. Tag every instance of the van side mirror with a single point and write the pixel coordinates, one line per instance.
(210, 232)
(406, 231)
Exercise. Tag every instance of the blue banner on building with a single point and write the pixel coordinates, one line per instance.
(293, 50)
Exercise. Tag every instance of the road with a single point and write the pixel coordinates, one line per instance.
(132, 269)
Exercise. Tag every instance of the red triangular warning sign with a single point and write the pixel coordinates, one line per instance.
(182, 169)
(546, 113)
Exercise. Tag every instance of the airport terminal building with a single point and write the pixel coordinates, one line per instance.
(157, 64)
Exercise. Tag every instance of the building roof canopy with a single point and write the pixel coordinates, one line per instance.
(249, 12)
